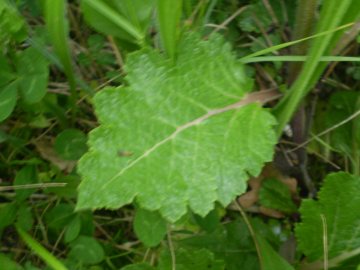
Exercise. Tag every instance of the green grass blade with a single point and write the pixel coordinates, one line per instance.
(299, 58)
(291, 43)
(57, 27)
(45, 255)
(169, 15)
(117, 19)
(330, 18)
(56, 23)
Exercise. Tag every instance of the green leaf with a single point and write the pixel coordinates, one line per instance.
(8, 96)
(72, 230)
(25, 218)
(189, 259)
(11, 25)
(276, 195)
(33, 75)
(26, 175)
(180, 136)
(149, 227)
(232, 243)
(249, 23)
(210, 222)
(7, 214)
(87, 250)
(68, 191)
(7, 74)
(139, 266)
(8, 264)
(127, 20)
(59, 216)
(70, 144)
(270, 259)
(340, 106)
(339, 203)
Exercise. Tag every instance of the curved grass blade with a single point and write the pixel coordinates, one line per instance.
(291, 43)
(299, 58)
(45, 255)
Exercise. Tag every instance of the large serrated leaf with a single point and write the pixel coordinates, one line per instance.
(339, 203)
(180, 136)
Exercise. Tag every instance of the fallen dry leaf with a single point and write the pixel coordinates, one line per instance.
(46, 150)
(250, 198)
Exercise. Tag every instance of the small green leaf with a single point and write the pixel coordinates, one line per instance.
(59, 216)
(87, 223)
(25, 218)
(72, 230)
(87, 250)
(149, 227)
(8, 96)
(40, 121)
(210, 222)
(127, 20)
(11, 24)
(8, 264)
(340, 106)
(230, 242)
(271, 260)
(190, 259)
(70, 144)
(7, 214)
(346, 137)
(7, 74)
(276, 195)
(26, 175)
(33, 74)
(339, 203)
(68, 191)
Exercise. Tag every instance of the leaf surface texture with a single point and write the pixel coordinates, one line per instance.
(177, 136)
(339, 203)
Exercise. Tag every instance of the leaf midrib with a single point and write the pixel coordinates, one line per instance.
(261, 97)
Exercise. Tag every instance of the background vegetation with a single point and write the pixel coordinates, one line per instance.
(67, 68)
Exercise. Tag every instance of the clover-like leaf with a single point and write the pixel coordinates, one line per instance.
(33, 75)
(179, 136)
(8, 97)
(337, 210)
